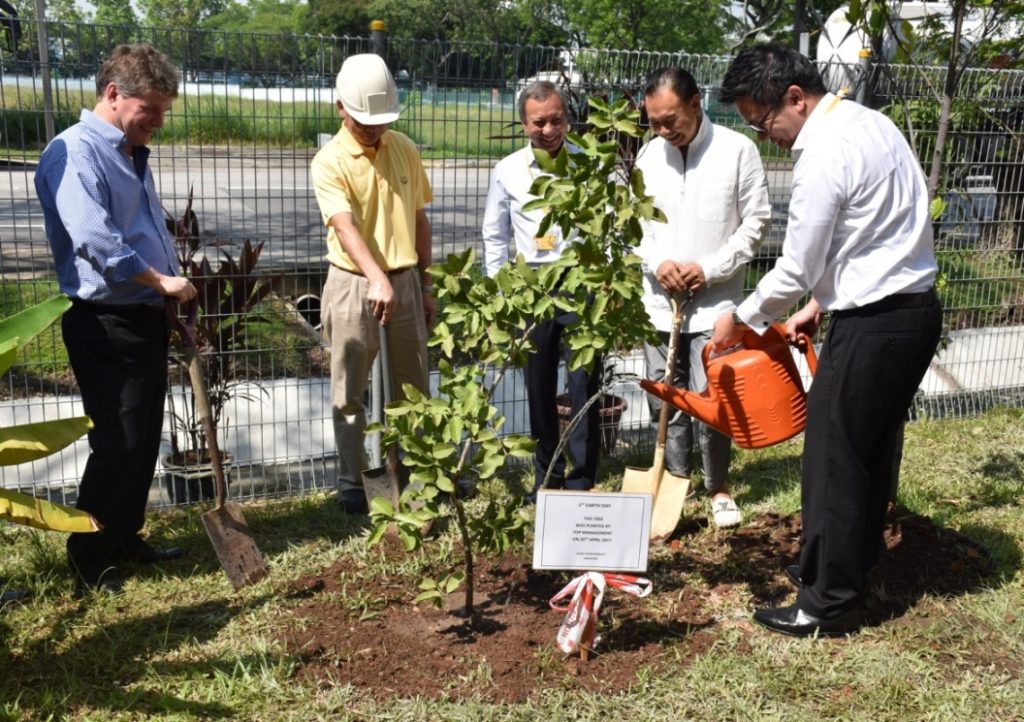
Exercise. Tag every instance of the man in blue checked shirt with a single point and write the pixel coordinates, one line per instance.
(116, 261)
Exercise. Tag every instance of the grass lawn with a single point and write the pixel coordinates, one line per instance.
(180, 645)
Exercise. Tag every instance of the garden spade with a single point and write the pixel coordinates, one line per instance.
(225, 525)
(668, 489)
(384, 481)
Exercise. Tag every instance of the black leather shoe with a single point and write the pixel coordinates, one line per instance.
(793, 575)
(106, 582)
(135, 549)
(13, 596)
(797, 623)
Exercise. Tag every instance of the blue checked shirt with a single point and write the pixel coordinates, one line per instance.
(102, 214)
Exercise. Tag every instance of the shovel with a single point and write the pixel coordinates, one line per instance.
(236, 549)
(384, 481)
(668, 489)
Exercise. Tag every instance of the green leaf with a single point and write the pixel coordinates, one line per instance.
(28, 442)
(29, 323)
(8, 353)
(855, 12)
(380, 506)
(433, 595)
(377, 533)
(443, 451)
(453, 582)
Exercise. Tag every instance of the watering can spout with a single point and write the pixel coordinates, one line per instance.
(755, 395)
(700, 406)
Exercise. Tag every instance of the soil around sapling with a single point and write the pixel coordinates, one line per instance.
(703, 582)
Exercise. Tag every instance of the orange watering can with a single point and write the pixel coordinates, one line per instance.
(754, 394)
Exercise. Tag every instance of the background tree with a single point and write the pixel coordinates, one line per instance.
(114, 12)
(261, 16)
(758, 20)
(330, 17)
(182, 14)
(652, 25)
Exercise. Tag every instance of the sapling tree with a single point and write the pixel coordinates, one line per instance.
(454, 439)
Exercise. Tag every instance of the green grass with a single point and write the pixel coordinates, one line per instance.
(444, 130)
(276, 345)
(179, 645)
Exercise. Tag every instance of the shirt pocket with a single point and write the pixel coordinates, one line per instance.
(717, 200)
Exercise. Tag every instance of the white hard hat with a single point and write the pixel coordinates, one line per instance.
(367, 90)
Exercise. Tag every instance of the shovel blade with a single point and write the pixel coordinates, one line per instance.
(668, 506)
(382, 482)
(236, 549)
(640, 481)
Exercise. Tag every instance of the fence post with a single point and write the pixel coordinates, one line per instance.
(379, 37)
(865, 91)
(44, 68)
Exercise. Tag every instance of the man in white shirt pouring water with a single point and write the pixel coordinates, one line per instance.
(859, 238)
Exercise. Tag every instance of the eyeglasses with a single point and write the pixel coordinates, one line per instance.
(759, 126)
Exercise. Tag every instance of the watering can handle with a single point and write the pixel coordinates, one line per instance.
(803, 342)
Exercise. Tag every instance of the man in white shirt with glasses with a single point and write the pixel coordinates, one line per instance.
(859, 239)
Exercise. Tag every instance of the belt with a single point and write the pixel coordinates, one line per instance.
(395, 272)
(894, 302)
(153, 308)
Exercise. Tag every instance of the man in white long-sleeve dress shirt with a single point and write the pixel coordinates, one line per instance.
(710, 183)
(543, 116)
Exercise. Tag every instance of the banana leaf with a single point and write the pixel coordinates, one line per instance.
(29, 442)
(41, 514)
(24, 326)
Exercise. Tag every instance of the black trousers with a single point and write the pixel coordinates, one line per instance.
(869, 369)
(119, 358)
(542, 387)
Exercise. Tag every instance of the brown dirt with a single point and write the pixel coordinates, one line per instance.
(391, 647)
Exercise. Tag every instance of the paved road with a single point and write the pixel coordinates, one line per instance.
(266, 198)
(263, 196)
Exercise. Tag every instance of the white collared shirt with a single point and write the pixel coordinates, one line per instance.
(505, 220)
(859, 227)
(718, 211)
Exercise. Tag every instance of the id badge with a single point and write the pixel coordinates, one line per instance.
(545, 242)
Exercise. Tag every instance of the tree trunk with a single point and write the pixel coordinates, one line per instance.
(953, 74)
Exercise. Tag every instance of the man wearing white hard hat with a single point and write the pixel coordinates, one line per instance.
(371, 188)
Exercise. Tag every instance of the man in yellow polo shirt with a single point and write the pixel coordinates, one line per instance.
(371, 188)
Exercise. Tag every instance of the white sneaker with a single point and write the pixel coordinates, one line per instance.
(725, 513)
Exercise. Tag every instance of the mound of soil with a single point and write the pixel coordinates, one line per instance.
(506, 651)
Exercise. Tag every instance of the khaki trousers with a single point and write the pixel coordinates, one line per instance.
(353, 335)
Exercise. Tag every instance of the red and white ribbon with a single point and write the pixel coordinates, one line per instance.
(579, 628)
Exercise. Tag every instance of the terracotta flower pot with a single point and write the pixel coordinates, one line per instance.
(610, 413)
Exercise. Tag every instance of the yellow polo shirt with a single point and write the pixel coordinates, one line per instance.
(382, 188)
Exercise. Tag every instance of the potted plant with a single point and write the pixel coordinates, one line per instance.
(229, 292)
(610, 406)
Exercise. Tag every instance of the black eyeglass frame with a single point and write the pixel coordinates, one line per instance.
(758, 127)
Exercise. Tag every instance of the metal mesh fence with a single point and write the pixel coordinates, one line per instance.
(253, 110)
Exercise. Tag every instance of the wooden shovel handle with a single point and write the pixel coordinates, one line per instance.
(187, 334)
(198, 380)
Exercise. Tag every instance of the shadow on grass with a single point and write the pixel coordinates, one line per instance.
(921, 559)
(275, 527)
(121, 666)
